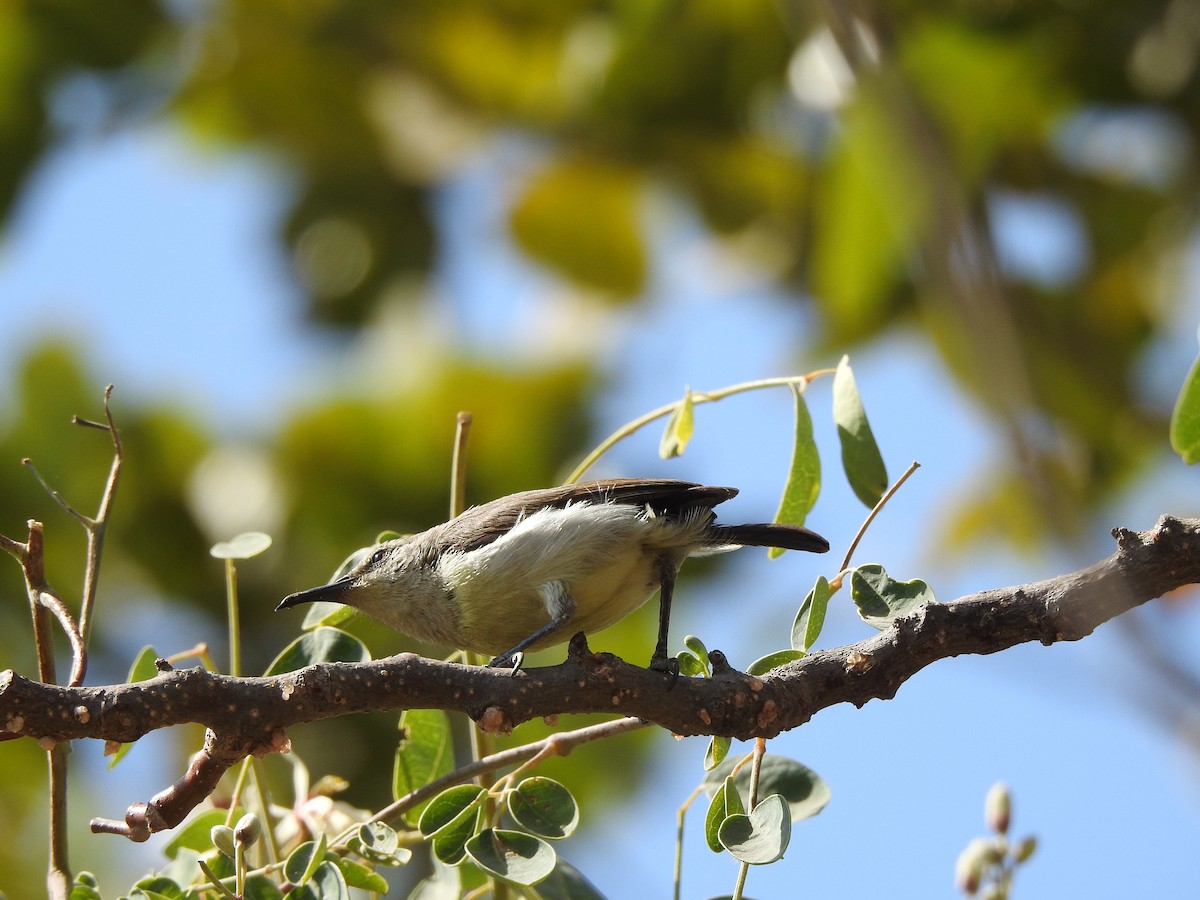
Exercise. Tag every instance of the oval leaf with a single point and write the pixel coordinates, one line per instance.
(1185, 418)
(680, 427)
(811, 617)
(545, 807)
(244, 546)
(725, 802)
(689, 665)
(318, 646)
(356, 875)
(718, 749)
(805, 791)
(448, 806)
(512, 856)
(880, 598)
(765, 664)
(565, 883)
(761, 837)
(425, 753)
(861, 458)
(804, 475)
(304, 861)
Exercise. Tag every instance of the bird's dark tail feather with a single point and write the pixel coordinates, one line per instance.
(789, 537)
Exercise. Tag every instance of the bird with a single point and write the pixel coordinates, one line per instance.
(529, 570)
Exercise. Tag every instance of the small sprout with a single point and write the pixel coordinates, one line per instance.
(248, 830)
(223, 839)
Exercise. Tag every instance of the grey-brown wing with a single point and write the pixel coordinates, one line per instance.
(480, 525)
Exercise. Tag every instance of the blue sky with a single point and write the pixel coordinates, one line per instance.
(160, 262)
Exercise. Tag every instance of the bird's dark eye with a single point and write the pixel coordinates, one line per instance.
(377, 556)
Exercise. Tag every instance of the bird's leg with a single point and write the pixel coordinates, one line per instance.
(659, 661)
(561, 608)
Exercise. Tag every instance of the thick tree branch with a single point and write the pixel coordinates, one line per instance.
(250, 715)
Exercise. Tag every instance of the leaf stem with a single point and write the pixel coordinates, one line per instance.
(862, 530)
(799, 382)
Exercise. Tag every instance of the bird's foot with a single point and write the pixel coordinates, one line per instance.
(510, 660)
(668, 665)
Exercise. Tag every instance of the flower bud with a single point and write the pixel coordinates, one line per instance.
(968, 870)
(997, 808)
(248, 830)
(222, 838)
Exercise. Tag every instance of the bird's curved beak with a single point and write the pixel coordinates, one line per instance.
(332, 593)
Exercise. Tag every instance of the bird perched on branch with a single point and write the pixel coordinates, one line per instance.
(528, 570)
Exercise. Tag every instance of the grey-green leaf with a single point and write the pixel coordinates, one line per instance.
(811, 617)
(861, 458)
(804, 475)
(304, 861)
(564, 883)
(318, 646)
(512, 856)
(244, 546)
(718, 749)
(805, 791)
(760, 838)
(545, 807)
(725, 802)
(880, 598)
(1185, 418)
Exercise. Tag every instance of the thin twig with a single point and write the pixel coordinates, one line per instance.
(862, 529)
(54, 603)
(458, 469)
(99, 525)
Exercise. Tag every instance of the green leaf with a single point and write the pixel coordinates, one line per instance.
(761, 837)
(452, 819)
(725, 802)
(321, 645)
(880, 598)
(1185, 418)
(804, 475)
(696, 645)
(261, 887)
(159, 886)
(564, 883)
(545, 807)
(357, 875)
(326, 883)
(143, 669)
(425, 753)
(689, 665)
(326, 612)
(244, 546)
(765, 664)
(811, 617)
(196, 834)
(448, 806)
(304, 861)
(680, 427)
(512, 856)
(718, 749)
(805, 791)
(860, 454)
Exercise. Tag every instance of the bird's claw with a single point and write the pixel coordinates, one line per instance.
(667, 665)
(508, 661)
